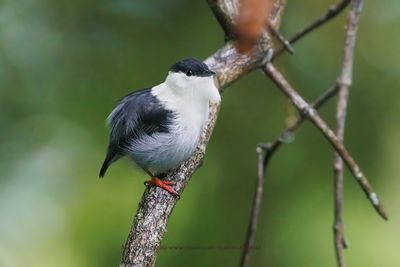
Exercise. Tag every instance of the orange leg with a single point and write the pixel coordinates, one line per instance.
(163, 184)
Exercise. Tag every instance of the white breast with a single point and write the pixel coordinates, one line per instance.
(176, 146)
(164, 151)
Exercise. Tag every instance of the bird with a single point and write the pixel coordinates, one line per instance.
(159, 127)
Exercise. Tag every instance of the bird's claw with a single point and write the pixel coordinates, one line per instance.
(166, 185)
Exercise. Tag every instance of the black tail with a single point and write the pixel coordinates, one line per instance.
(104, 168)
(110, 158)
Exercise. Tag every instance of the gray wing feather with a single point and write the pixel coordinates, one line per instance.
(137, 114)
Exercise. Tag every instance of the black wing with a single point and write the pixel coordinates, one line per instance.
(136, 114)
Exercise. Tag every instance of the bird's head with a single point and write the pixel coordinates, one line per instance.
(191, 76)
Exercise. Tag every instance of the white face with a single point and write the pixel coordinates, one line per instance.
(203, 87)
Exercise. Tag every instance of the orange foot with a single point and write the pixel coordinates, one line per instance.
(163, 184)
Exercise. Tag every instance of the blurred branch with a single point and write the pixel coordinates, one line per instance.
(156, 205)
(311, 113)
(332, 12)
(250, 23)
(343, 82)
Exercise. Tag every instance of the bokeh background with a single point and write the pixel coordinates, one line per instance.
(64, 64)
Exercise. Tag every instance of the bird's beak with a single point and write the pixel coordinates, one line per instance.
(210, 73)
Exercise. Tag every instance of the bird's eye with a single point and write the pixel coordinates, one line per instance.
(189, 73)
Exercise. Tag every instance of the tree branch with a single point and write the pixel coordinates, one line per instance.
(255, 211)
(311, 114)
(225, 13)
(344, 82)
(266, 151)
(156, 205)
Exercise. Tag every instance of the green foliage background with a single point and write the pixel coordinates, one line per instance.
(64, 64)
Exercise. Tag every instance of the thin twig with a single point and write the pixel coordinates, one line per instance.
(265, 151)
(255, 212)
(344, 82)
(332, 12)
(314, 117)
(288, 132)
(285, 42)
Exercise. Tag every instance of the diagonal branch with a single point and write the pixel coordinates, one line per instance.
(344, 82)
(314, 117)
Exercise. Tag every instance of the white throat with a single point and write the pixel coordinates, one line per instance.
(180, 91)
